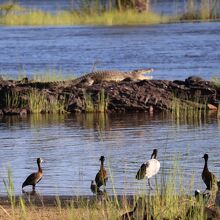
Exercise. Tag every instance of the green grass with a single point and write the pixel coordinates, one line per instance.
(13, 100)
(16, 16)
(41, 103)
(216, 81)
(36, 101)
(188, 111)
(46, 76)
(207, 10)
(101, 105)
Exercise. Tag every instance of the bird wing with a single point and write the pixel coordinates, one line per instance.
(101, 177)
(142, 171)
(32, 179)
(153, 166)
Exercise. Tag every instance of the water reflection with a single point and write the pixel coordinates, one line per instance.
(72, 144)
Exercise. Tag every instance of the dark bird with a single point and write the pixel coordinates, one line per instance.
(208, 178)
(101, 177)
(34, 178)
(149, 169)
(129, 215)
(217, 197)
(94, 188)
(202, 196)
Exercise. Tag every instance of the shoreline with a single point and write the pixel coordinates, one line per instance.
(64, 200)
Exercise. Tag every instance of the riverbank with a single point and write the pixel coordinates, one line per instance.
(115, 207)
(15, 15)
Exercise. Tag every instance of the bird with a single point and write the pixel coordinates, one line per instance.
(208, 178)
(101, 177)
(94, 188)
(217, 197)
(129, 215)
(202, 196)
(149, 169)
(34, 178)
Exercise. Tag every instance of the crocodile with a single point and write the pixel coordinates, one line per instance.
(113, 75)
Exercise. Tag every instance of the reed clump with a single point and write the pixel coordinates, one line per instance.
(13, 100)
(187, 110)
(101, 105)
(216, 81)
(36, 102)
(40, 103)
(203, 10)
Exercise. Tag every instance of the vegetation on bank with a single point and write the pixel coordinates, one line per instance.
(168, 200)
(119, 12)
(37, 17)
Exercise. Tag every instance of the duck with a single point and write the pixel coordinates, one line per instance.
(149, 169)
(129, 215)
(101, 177)
(217, 197)
(208, 178)
(94, 188)
(202, 196)
(34, 178)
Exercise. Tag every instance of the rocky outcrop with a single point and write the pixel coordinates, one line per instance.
(124, 96)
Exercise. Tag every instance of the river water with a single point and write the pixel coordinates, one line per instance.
(71, 145)
(175, 51)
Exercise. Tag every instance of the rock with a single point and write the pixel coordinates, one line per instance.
(23, 112)
(11, 111)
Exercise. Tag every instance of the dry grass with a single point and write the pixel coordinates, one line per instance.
(15, 16)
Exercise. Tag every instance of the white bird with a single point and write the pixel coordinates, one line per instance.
(149, 169)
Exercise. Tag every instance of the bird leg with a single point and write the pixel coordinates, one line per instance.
(33, 189)
(149, 184)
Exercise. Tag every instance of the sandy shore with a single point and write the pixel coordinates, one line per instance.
(50, 200)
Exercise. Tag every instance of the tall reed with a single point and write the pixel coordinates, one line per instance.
(101, 105)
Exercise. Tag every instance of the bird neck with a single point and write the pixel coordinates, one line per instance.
(153, 156)
(102, 165)
(206, 165)
(39, 168)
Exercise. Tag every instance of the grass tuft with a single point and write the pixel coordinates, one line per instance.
(100, 106)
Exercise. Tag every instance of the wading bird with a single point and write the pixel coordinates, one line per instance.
(101, 177)
(149, 169)
(94, 188)
(208, 178)
(34, 178)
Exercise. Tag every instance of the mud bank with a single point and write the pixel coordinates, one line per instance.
(25, 97)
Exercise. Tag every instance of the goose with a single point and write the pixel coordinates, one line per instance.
(101, 177)
(149, 169)
(208, 178)
(34, 178)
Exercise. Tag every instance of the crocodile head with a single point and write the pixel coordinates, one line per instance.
(139, 74)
